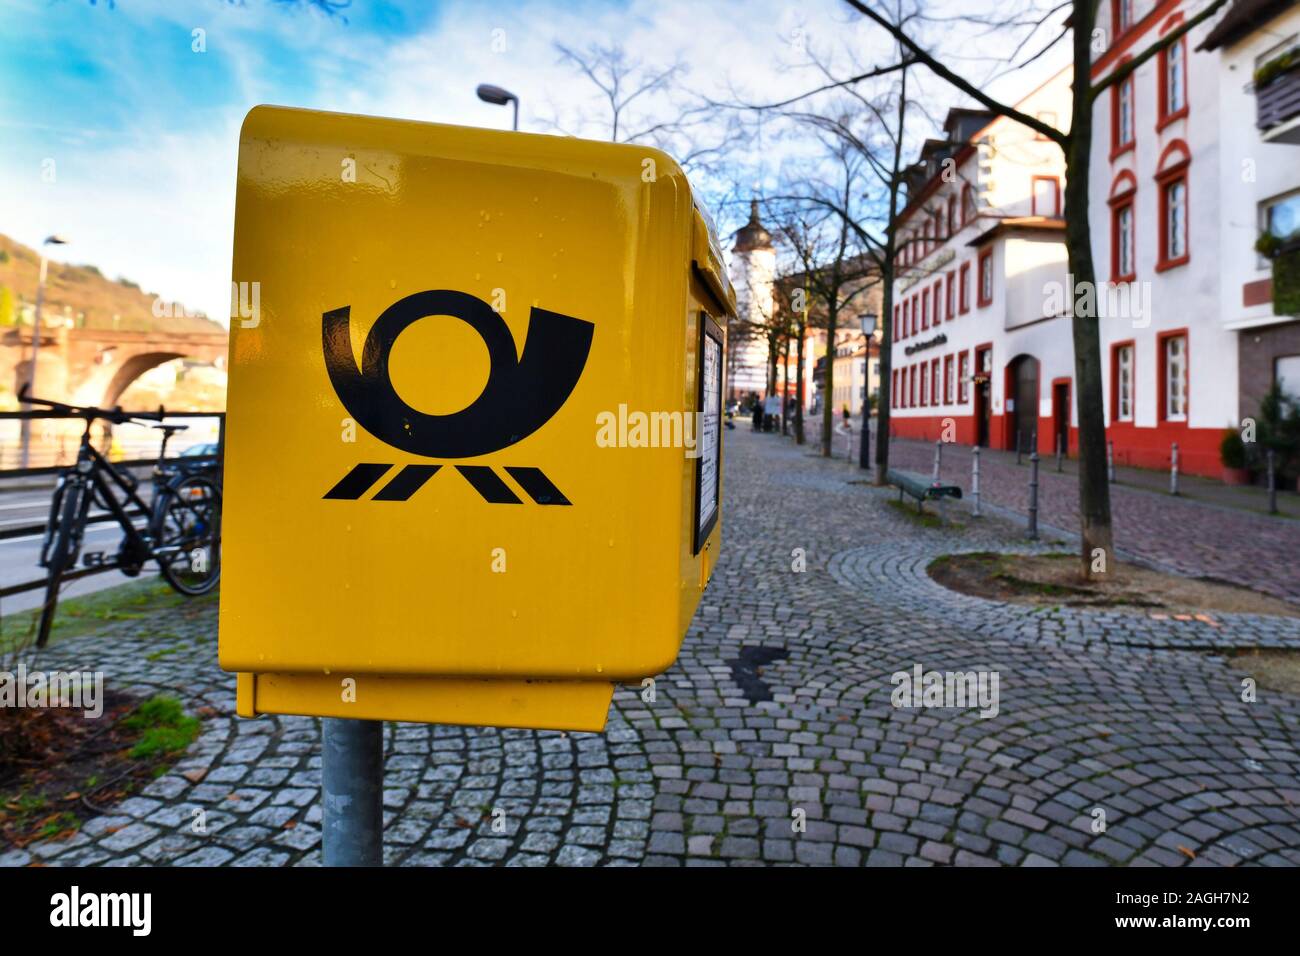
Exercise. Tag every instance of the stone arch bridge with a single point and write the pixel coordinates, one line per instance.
(95, 366)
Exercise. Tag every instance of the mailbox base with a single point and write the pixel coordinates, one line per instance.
(538, 704)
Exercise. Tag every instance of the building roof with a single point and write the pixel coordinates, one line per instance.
(753, 234)
(1019, 224)
(1243, 17)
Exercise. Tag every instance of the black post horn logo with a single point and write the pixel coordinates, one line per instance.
(522, 394)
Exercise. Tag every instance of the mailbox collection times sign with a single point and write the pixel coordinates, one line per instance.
(419, 523)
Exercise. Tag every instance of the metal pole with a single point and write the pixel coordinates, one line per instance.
(352, 772)
(1173, 469)
(1033, 495)
(975, 480)
(1110, 461)
(1272, 485)
(864, 446)
(25, 429)
(938, 458)
(1059, 452)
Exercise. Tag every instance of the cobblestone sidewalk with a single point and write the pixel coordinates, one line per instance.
(778, 711)
(1188, 536)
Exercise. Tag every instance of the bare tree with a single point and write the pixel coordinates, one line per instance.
(832, 271)
(645, 103)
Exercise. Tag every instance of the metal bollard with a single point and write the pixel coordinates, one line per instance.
(1059, 443)
(938, 458)
(975, 480)
(352, 778)
(1173, 469)
(1272, 484)
(1033, 495)
(1110, 461)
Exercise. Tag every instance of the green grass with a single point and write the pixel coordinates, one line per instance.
(167, 729)
(85, 613)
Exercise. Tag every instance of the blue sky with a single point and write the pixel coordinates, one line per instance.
(142, 131)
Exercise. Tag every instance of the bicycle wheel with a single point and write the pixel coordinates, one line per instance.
(186, 530)
(63, 542)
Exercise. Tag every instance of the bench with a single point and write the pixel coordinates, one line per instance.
(921, 489)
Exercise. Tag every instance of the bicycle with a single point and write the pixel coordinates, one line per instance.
(182, 532)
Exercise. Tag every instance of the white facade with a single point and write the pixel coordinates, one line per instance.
(753, 275)
(983, 249)
(1178, 175)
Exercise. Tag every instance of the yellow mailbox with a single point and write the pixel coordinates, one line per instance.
(473, 468)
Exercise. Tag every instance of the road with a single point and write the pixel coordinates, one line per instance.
(19, 556)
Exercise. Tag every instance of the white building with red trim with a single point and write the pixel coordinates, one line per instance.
(981, 349)
(1192, 160)
(1183, 180)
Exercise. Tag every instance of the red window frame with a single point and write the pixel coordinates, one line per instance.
(1162, 371)
(937, 299)
(925, 309)
(950, 296)
(1056, 201)
(986, 255)
(936, 393)
(949, 397)
(1122, 195)
(1114, 383)
(963, 376)
(1164, 115)
(1118, 148)
(965, 287)
(898, 311)
(924, 384)
(1117, 26)
(967, 204)
(1171, 170)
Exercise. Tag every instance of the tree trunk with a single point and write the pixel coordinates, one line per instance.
(785, 384)
(798, 387)
(1094, 487)
(828, 385)
(885, 401)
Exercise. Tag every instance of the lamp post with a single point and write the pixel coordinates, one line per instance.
(499, 97)
(26, 426)
(864, 446)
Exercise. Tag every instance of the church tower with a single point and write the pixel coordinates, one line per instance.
(753, 271)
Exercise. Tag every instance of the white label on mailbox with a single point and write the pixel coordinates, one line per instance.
(710, 434)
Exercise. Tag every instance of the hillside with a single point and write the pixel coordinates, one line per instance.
(82, 289)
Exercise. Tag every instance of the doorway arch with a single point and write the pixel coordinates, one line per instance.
(1022, 403)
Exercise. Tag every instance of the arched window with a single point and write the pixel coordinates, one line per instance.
(1123, 114)
(1172, 181)
(1123, 248)
(1172, 77)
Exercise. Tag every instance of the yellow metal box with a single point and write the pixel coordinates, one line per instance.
(473, 467)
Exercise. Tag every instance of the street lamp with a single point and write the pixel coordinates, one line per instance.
(26, 427)
(499, 97)
(868, 320)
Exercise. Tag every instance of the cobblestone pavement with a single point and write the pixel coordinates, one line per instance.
(773, 739)
(1187, 536)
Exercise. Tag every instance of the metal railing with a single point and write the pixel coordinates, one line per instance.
(105, 441)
